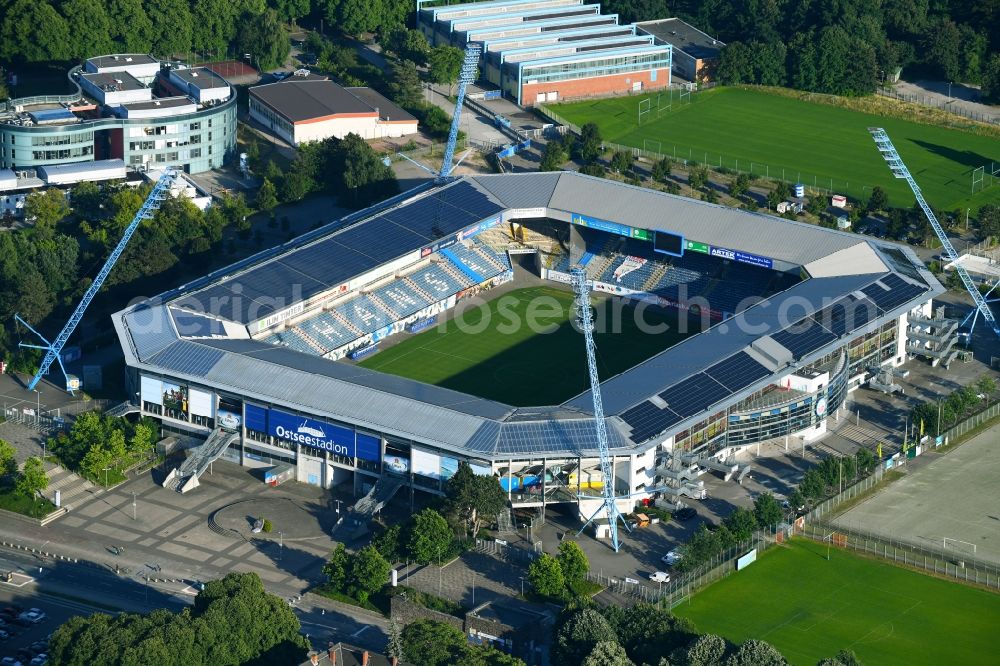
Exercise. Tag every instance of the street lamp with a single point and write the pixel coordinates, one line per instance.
(281, 545)
(106, 477)
(38, 406)
(949, 90)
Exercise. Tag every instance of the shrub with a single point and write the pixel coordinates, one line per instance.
(267, 527)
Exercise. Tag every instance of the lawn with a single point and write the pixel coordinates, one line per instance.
(492, 352)
(809, 608)
(35, 508)
(804, 141)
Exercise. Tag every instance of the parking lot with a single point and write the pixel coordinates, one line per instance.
(27, 639)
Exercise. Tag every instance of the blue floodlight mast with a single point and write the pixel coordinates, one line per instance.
(54, 349)
(578, 278)
(470, 68)
(899, 170)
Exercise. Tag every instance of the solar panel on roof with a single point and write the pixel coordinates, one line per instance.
(803, 337)
(738, 371)
(900, 291)
(192, 324)
(694, 394)
(846, 315)
(648, 420)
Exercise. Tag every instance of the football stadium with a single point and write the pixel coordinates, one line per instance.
(384, 348)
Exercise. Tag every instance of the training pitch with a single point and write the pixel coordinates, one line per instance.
(488, 349)
(801, 141)
(810, 608)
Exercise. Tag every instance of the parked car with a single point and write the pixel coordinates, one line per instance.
(40, 660)
(32, 616)
(10, 661)
(660, 577)
(12, 611)
(4, 635)
(672, 558)
(39, 646)
(687, 513)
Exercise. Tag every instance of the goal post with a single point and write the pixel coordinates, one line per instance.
(644, 110)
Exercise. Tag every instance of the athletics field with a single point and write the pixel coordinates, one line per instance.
(810, 608)
(803, 141)
(492, 351)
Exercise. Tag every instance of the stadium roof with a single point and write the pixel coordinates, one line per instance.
(300, 100)
(699, 376)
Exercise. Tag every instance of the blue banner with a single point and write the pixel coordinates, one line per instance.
(601, 225)
(369, 447)
(312, 433)
(256, 418)
(742, 257)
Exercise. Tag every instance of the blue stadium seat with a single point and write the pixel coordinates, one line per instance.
(327, 330)
(499, 258)
(437, 282)
(293, 340)
(401, 297)
(363, 314)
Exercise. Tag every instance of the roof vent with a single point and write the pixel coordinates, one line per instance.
(156, 102)
(115, 57)
(194, 74)
(119, 81)
(128, 59)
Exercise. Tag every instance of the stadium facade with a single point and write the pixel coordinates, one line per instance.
(128, 107)
(538, 51)
(799, 316)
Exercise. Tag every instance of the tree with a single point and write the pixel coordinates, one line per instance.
(430, 537)
(621, 161)
(389, 542)
(735, 64)
(589, 145)
(879, 200)
(986, 385)
(32, 31)
(142, 438)
(213, 25)
(944, 49)
(264, 38)
(697, 177)
(661, 170)
(355, 17)
(706, 650)
(607, 653)
(573, 561)
(444, 64)
(767, 510)
(474, 496)
(394, 645)
(267, 195)
(361, 171)
(404, 83)
(546, 576)
(117, 448)
(172, 26)
(335, 568)
(89, 28)
(131, 29)
(553, 157)
(32, 479)
(432, 643)
(988, 220)
(991, 79)
(756, 653)
(8, 463)
(291, 10)
(812, 485)
(369, 573)
(48, 208)
(741, 523)
(96, 461)
(648, 634)
(578, 635)
(740, 186)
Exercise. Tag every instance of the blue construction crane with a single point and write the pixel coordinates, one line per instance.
(53, 350)
(578, 278)
(470, 69)
(899, 170)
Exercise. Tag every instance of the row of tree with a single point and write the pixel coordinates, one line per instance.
(234, 621)
(433, 643)
(590, 635)
(559, 577)
(843, 47)
(932, 418)
(98, 443)
(75, 29)
(28, 481)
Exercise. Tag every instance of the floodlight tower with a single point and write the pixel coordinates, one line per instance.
(54, 349)
(470, 68)
(581, 286)
(899, 170)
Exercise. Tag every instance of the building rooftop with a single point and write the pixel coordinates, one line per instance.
(683, 37)
(161, 103)
(298, 100)
(122, 59)
(201, 78)
(387, 109)
(110, 81)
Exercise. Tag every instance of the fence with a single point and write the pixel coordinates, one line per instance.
(849, 493)
(972, 422)
(953, 564)
(937, 103)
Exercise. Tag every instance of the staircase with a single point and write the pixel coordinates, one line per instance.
(488, 258)
(311, 340)
(74, 490)
(453, 271)
(123, 409)
(655, 277)
(416, 287)
(185, 478)
(380, 494)
(383, 305)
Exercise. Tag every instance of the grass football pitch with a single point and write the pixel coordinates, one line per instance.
(811, 142)
(810, 608)
(492, 352)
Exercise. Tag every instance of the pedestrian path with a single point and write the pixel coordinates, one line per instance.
(75, 491)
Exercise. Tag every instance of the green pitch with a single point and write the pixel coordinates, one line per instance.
(809, 608)
(811, 142)
(492, 352)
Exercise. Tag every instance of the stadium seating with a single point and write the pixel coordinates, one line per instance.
(327, 330)
(292, 339)
(401, 297)
(438, 282)
(474, 266)
(499, 259)
(363, 314)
